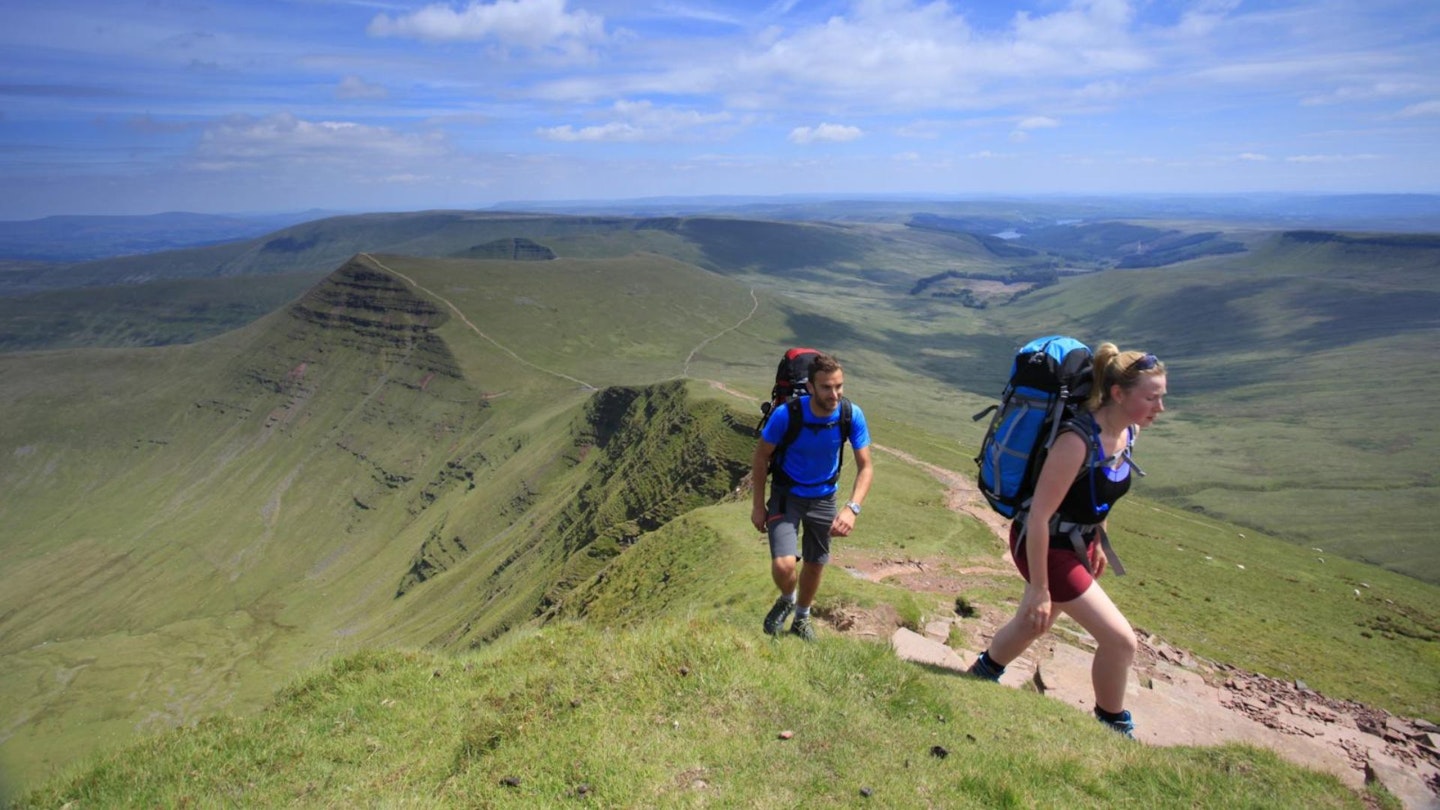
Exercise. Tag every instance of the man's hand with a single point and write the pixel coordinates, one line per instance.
(758, 516)
(843, 523)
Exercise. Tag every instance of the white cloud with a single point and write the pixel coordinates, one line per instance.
(244, 140)
(1363, 93)
(1421, 109)
(354, 87)
(1330, 158)
(825, 133)
(1021, 133)
(531, 23)
(1204, 18)
(613, 131)
(1037, 122)
(1252, 156)
(903, 54)
(638, 121)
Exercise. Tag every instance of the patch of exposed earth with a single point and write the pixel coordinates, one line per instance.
(1177, 697)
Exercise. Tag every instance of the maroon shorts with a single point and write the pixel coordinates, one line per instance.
(1068, 577)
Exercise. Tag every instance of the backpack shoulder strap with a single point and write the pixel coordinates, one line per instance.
(794, 423)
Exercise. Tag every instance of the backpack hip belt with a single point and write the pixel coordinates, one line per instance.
(1076, 532)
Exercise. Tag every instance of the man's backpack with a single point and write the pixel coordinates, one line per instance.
(1049, 379)
(792, 379)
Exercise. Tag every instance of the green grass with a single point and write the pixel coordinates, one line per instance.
(681, 711)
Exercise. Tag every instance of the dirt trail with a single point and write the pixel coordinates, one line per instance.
(1177, 698)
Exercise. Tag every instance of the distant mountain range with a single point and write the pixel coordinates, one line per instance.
(1385, 212)
(78, 238)
(75, 238)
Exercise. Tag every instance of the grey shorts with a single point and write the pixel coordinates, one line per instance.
(786, 514)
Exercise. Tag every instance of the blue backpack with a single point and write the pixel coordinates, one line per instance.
(1049, 379)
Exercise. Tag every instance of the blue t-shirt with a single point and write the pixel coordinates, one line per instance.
(814, 458)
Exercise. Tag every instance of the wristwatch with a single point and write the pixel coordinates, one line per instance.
(854, 507)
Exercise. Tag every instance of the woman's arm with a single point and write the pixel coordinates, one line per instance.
(1061, 468)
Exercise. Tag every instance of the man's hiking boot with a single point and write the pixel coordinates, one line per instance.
(803, 627)
(1122, 724)
(775, 619)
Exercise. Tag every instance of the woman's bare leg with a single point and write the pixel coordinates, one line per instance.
(1115, 644)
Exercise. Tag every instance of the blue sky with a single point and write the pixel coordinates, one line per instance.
(142, 106)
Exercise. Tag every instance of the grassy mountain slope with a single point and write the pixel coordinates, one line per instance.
(159, 313)
(655, 687)
(266, 499)
(1257, 341)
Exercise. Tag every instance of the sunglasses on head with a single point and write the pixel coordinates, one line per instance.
(1145, 363)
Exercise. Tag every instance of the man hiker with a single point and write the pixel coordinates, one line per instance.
(801, 515)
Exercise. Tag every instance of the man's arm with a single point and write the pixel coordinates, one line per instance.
(759, 472)
(864, 473)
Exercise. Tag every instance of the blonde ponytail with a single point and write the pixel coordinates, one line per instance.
(1114, 367)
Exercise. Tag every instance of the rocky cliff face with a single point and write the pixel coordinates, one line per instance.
(644, 456)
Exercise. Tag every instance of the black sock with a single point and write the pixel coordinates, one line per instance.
(1112, 717)
(987, 667)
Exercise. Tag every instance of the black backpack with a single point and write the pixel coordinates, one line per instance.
(792, 380)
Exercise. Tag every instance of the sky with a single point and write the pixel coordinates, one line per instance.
(254, 106)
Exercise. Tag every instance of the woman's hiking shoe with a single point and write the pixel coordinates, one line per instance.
(985, 669)
(1121, 723)
(775, 619)
(803, 627)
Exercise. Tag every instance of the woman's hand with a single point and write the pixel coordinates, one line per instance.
(1036, 609)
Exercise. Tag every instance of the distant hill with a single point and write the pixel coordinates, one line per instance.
(1381, 212)
(73, 238)
(513, 248)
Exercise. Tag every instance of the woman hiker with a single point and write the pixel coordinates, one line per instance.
(1087, 470)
